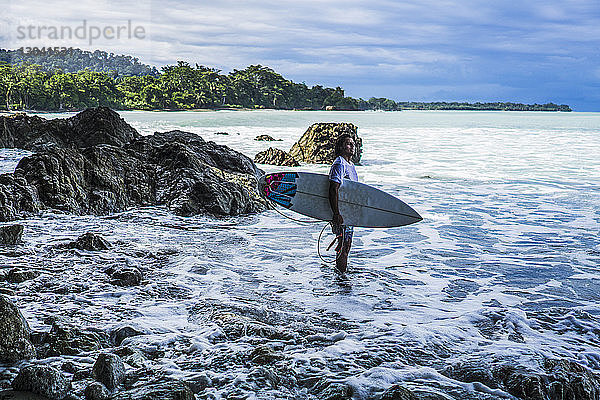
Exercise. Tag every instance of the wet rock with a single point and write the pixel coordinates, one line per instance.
(316, 146)
(119, 334)
(336, 391)
(15, 342)
(398, 392)
(17, 198)
(69, 366)
(128, 276)
(91, 127)
(564, 379)
(266, 138)
(199, 383)
(195, 176)
(264, 354)
(44, 380)
(526, 385)
(97, 164)
(65, 339)
(569, 380)
(18, 275)
(132, 357)
(109, 370)
(275, 156)
(82, 374)
(96, 391)
(170, 390)
(469, 372)
(222, 133)
(11, 234)
(89, 241)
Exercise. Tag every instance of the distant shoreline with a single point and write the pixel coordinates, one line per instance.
(4, 113)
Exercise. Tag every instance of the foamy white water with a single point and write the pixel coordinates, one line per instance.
(504, 265)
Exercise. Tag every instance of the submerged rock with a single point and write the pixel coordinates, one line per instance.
(96, 391)
(563, 379)
(170, 390)
(66, 339)
(44, 380)
(94, 163)
(316, 146)
(398, 392)
(127, 276)
(89, 241)
(119, 334)
(15, 334)
(109, 370)
(11, 234)
(266, 138)
(274, 156)
(19, 275)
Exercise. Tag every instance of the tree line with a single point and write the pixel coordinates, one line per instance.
(68, 59)
(183, 87)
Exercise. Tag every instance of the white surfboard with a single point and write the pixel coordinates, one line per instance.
(360, 204)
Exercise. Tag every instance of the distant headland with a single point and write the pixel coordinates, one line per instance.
(69, 79)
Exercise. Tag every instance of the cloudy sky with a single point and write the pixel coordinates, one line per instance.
(421, 50)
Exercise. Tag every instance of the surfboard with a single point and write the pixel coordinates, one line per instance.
(360, 204)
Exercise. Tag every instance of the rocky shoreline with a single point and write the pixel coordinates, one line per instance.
(95, 163)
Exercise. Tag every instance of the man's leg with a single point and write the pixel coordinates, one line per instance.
(341, 262)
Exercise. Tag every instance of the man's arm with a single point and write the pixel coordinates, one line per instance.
(334, 188)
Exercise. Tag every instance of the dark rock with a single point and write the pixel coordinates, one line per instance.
(266, 138)
(69, 366)
(274, 156)
(44, 380)
(569, 380)
(317, 144)
(397, 392)
(478, 371)
(82, 374)
(11, 234)
(264, 354)
(123, 170)
(199, 383)
(18, 275)
(336, 392)
(17, 197)
(171, 390)
(96, 391)
(526, 385)
(131, 356)
(222, 133)
(15, 343)
(65, 339)
(89, 241)
(118, 335)
(109, 370)
(563, 379)
(91, 127)
(128, 276)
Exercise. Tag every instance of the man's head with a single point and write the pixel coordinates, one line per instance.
(344, 146)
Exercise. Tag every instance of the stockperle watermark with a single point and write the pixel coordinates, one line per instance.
(83, 31)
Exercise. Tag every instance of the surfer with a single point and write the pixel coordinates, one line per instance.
(342, 168)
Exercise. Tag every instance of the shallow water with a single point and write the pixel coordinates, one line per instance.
(504, 265)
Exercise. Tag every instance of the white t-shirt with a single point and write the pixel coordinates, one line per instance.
(342, 169)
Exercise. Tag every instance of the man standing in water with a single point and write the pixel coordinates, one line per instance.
(342, 168)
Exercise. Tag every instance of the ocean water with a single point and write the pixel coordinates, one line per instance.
(504, 268)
